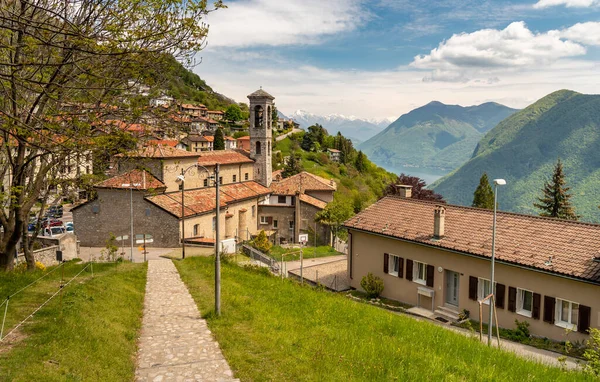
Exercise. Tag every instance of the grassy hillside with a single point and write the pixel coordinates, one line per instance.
(435, 135)
(274, 330)
(524, 148)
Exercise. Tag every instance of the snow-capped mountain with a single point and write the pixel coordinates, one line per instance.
(358, 129)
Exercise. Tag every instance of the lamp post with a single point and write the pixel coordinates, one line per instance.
(215, 177)
(497, 182)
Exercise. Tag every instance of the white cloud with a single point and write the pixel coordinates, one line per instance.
(567, 3)
(487, 51)
(585, 33)
(274, 22)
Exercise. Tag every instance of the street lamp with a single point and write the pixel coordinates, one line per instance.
(181, 179)
(497, 182)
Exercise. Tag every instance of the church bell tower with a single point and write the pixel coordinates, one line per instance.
(261, 135)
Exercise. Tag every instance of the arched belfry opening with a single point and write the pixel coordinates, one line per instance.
(258, 116)
(258, 151)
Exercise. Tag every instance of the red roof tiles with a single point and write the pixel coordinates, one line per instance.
(301, 183)
(209, 158)
(161, 151)
(202, 200)
(520, 239)
(136, 179)
(313, 201)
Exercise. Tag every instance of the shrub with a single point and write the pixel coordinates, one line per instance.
(521, 333)
(262, 243)
(373, 285)
(592, 353)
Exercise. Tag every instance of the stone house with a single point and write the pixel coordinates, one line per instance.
(194, 110)
(334, 154)
(216, 115)
(198, 143)
(292, 207)
(547, 270)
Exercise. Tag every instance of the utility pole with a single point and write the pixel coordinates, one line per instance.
(217, 250)
(182, 214)
(131, 218)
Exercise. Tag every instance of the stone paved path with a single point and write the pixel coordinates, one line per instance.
(175, 343)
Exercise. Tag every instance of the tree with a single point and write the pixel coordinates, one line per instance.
(65, 66)
(292, 166)
(555, 201)
(419, 190)
(360, 163)
(262, 243)
(219, 143)
(483, 197)
(335, 214)
(233, 113)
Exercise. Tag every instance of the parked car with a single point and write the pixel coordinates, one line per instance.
(52, 223)
(53, 231)
(69, 227)
(55, 211)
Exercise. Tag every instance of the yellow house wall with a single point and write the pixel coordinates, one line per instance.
(367, 256)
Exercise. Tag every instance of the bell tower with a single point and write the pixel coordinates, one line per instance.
(261, 135)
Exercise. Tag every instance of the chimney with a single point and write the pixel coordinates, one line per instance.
(403, 190)
(439, 215)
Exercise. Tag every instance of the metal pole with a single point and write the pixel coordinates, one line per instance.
(491, 301)
(182, 215)
(131, 218)
(217, 254)
(301, 265)
(144, 248)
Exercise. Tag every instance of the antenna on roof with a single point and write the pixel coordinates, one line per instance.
(549, 262)
(596, 259)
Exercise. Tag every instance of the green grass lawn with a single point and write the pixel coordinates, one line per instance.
(274, 330)
(93, 337)
(307, 252)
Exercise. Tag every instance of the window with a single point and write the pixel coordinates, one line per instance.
(253, 211)
(234, 179)
(274, 223)
(567, 314)
(281, 199)
(246, 176)
(524, 302)
(205, 182)
(394, 265)
(420, 272)
(257, 148)
(483, 289)
(263, 220)
(220, 180)
(291, 224)
(196, 227)
(214, 223)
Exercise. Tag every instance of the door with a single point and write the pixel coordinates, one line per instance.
(452, 281)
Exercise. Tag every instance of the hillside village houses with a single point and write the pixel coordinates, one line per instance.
(438, 257)
(146, 181)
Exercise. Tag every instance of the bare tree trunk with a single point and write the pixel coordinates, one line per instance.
(28, 250)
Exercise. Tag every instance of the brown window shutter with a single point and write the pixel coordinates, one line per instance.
(400, 267)
(535, 309)
(386, 262)
(409, 269)
(269, 219)
(430, 273)
(549, 303)
(585, 315)
(473, 288)
(512, 299)
(500, 292)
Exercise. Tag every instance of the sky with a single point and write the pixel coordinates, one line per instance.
(383, 58)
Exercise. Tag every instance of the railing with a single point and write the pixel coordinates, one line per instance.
(492, 304)
(257, 255)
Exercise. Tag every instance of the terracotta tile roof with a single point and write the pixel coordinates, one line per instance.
(520, 239)
(200, 201)
(334, 150)
(228, 138)
(161, 151)
(215, 112)
(192, 107)
(301, 183)
(140, 179)
(209, 158)
(313, 201)
(165, 142)
(244, 138)
(197, 138)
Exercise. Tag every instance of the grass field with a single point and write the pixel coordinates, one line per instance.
(307, 252)
(274, 330)
(92, 338)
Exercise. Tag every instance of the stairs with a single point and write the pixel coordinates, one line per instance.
(450, 314)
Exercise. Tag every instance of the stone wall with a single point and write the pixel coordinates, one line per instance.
(286, 214)
(109, 213)
(46, 256)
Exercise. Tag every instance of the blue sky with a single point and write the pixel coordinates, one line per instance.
(382, 58)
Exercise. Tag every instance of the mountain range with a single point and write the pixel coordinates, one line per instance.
(523, 149)
(357, 129)
(434, 136)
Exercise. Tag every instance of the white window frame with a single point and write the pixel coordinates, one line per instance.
(416, 273)
(393, 265)
(481, 289)
(520, 300)
(558, 310)
(263, 220)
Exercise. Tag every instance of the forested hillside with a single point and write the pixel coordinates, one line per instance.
(524, 148)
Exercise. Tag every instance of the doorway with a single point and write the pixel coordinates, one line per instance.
(452, 283)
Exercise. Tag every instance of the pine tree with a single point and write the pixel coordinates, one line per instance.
(292, 166)
(360, 163)
(555, 202)
(219, 143)
(483, 197)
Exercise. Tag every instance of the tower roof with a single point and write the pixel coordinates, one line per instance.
(261, 93)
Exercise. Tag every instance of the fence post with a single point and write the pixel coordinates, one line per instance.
(480, 323)
(4, 319)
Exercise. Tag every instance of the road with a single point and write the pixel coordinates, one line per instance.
(283, 136)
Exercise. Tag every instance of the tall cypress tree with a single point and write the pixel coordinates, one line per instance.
(555, 202)
(483, 197)
(219, 143)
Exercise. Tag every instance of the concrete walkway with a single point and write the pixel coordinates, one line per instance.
(175, 343)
